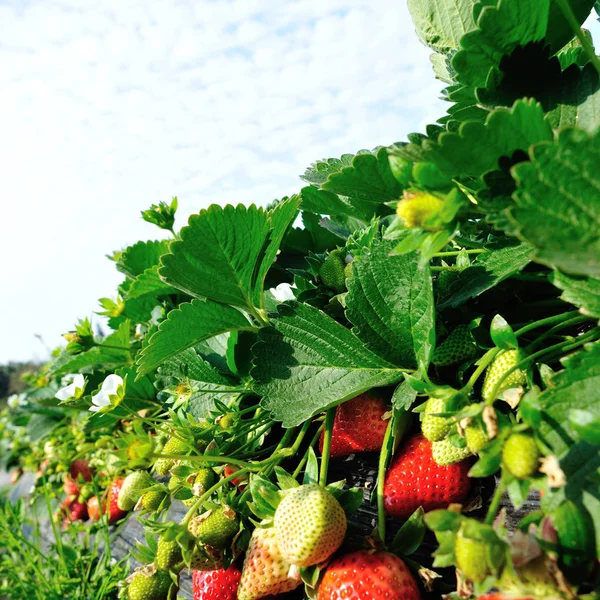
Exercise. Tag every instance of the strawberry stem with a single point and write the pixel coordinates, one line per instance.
(495, 504)
(329, 419)
(562, 347)
(302, 462)
(484, 361)
(396, 429)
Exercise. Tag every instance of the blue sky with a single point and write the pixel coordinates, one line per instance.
(109, 106)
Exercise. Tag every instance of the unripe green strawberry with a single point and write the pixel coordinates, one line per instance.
(204, 479)
(332, 272)
(435, 428)
(130, 492)
(228, 420)
(520, 455)
(168, 554)
(504, 361)
(478, 552)
(206, 558)
(468, 554)
(149, 584)
(174, 445)
(152, 500)
(445, 453)
(476, 437)
(310, 525)
(458, 347)
(217, 529)
(416, 210)
(265, 571)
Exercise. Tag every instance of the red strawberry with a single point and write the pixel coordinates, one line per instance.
(414, 479)
(81, 467)
(70, 487)
(15, 475)
(237, 481)
(358, 426)
(363, 574)
(93, 507)
(76, 511)
(112, 507)
(220, 584)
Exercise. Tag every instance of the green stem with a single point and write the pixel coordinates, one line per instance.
(547, 321)
(329, 419)
(567, 11)
(457, 252)
(397, 427)
(196, 506)
(484, 361)
(304, 459)
(495, 504)
(561, 347)
(553, 330)
(384, 457)
(202, 458)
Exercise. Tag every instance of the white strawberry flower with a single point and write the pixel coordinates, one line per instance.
(13, 401)
(156, 315)
(111, 394)
(283, 292)
(74, 390)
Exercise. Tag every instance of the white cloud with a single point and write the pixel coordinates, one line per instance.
(109, 106)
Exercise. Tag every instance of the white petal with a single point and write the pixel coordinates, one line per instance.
(111, 384)
(156, 314)
(283, 292)
(13, 401)
(66, 392)
(79, 381)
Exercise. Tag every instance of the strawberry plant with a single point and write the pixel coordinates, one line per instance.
(425, 312)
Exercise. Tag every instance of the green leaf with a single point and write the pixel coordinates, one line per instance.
(219, 255)
(280, 218)
(486, 272)
(134, 260)
(40, 425)
(390, 303)
(441, 23)
(585, 425)
(320, 170)
(577, 387)
(369, 178)
(411, 534)
(112, 352)
(307, 362)
(575, 99)
(321, 202)
(583, 292)
(502, 333)
(311, 471)
(184, 327)
(500, 29)
(404, 396)
(477, 146)
(149, 283)
(557, 203)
